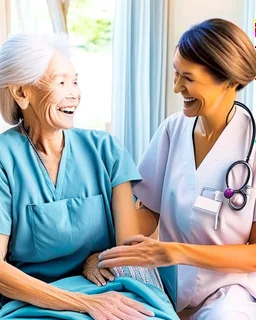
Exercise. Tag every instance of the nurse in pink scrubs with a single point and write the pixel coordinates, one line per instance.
(184, 177)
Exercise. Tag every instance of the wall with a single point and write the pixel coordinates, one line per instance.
(183, 14)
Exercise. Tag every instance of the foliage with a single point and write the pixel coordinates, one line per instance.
(90, 24)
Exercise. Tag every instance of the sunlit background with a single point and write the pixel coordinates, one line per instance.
(90, 28)
(89, 24)
(123, 51)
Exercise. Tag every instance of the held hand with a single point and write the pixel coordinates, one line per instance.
(112, 306)
(137, 251)
(92, 272)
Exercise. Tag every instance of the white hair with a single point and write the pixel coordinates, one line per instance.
(23, 60)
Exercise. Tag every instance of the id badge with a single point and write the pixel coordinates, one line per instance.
(210, 202)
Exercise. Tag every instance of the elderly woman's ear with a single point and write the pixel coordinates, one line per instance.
(19, 95)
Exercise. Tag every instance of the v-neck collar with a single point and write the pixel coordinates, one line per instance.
(62, 168)
(56, 190)
(207, 167)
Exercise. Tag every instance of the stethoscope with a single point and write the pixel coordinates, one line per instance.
(237, 198)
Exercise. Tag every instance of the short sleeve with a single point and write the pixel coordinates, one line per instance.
(121, 166)
(5, 204)
(152, 169)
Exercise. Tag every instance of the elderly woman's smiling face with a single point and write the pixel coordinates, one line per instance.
(54, 98)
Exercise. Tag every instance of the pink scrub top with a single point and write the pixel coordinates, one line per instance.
(171, 184)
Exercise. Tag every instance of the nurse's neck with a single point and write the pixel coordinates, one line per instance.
(211, 125)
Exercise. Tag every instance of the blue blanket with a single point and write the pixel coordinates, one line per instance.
(152, 297)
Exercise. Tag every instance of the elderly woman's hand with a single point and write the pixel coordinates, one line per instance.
(92, 272)
(111, 306)
(138, 251)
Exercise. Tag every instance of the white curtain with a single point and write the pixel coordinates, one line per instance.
(38, 16)
(58, 10)
(30, 16)
(139, 71)
(5, 20)
(248, 95)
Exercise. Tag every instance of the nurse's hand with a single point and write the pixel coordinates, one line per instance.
(112, 306)
(92, 272)
(137, 251)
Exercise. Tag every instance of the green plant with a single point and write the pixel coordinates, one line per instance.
(91, 25)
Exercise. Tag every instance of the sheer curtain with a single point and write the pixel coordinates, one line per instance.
(30, 16)
(248, 95)
(139, 71)
(38, 16)
(58, 10)
(5, 20)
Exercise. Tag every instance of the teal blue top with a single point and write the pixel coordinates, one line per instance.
(54, 228)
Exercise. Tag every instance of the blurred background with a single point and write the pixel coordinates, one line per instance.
(122, 50)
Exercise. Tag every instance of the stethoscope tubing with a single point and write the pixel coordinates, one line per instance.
(240, 104)
(242, 162)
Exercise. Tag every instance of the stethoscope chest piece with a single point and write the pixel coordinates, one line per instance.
(237, 198)
(228, 193)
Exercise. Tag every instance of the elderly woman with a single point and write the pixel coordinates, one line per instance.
(62, 192)
(192, 182)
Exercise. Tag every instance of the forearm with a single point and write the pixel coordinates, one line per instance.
(17, 285)
(223, 258)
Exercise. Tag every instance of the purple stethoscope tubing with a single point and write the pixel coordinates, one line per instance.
(229, 193)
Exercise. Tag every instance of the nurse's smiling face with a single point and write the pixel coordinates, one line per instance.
(54, 98)
(202, 93)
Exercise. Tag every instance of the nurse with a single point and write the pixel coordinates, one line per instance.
(185, 167)
(62, 192)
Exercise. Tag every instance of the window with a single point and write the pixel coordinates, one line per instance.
(89, 24)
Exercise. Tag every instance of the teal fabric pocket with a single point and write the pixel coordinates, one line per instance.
(62, 227)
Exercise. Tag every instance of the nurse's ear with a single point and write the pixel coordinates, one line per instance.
(19, 95)
(232, 85)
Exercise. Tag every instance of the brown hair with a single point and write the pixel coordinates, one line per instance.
(223, 48)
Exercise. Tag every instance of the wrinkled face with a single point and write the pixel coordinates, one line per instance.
(201, 92)
(54, 98)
